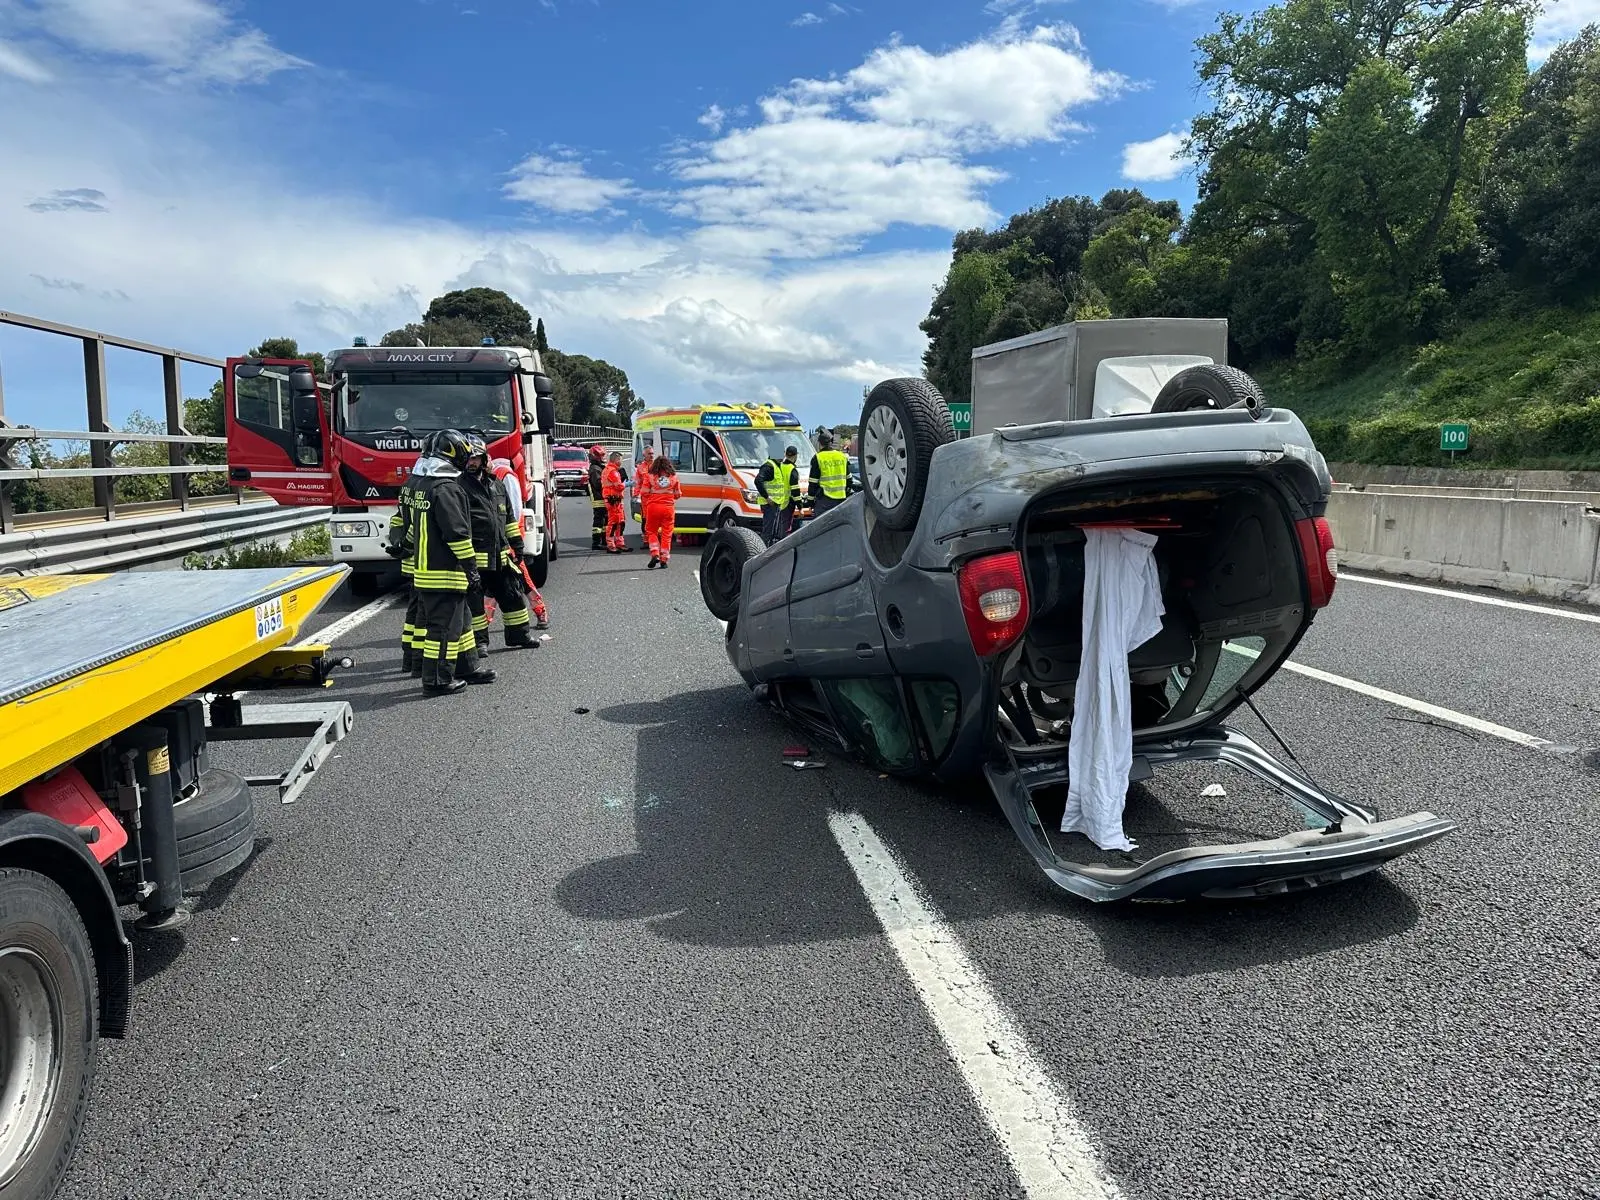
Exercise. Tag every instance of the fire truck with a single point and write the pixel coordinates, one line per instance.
(349, 441)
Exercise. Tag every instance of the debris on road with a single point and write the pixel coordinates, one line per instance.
(1215, 791)
(796, 751)
(808, 764)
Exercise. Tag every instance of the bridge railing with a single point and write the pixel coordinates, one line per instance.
(101, 437)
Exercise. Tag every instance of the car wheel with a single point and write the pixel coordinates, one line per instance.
(722, 568)
(902, 423)
(50, 1013)
(216, 828)
(1208, 386)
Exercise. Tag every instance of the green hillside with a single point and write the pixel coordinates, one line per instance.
(1527, 385)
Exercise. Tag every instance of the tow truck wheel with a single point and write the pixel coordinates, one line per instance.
(49, 1025)
(216, 828)
(902, 423)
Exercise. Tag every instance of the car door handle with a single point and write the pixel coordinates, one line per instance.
(863, 651)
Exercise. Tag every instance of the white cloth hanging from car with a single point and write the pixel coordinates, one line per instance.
(1122, 609)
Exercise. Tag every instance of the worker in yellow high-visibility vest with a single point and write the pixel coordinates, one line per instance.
(829, 481)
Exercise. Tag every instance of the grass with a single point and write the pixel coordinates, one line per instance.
(1527, 384)
(308, 543)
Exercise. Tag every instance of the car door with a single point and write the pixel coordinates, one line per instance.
(277, 430)
(834, 629)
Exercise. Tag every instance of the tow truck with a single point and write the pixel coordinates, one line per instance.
(113, 689)
(348, 442)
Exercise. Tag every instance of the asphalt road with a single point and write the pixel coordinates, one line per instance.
(581, 933)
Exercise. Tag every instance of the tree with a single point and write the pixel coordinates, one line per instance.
(452, 331)
(1124, 260)
(540, 342)
(493, 312)
(1366, 123)
(287, 347)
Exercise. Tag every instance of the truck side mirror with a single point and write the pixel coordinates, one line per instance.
(545, 407)
(307, 409)
(715, 465)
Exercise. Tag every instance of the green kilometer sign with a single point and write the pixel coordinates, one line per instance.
(1453, 437)
(961, 416)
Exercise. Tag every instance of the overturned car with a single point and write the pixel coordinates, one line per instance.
(937, 625)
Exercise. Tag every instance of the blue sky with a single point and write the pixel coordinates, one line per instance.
(727, 199)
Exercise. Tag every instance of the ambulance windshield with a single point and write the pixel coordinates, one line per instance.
(749, 448)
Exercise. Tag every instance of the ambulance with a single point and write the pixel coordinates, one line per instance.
(717, 449)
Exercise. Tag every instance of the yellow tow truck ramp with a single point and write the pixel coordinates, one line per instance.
(83, 657)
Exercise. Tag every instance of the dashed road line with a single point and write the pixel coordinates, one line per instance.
(1448, 715)
(1037, 1127)
(1470, 598)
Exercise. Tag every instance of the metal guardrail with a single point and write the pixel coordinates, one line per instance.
(99, 434)
(69, 548)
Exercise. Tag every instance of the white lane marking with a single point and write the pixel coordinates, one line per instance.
(1591, 618)
(718, 620)
(1041, 1135)
(351, 619)
(1476, 724)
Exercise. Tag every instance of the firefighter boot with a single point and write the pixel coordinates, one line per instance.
(471, 670)
(436, 679)
(520, 638)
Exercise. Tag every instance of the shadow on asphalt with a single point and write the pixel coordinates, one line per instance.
(735, 849)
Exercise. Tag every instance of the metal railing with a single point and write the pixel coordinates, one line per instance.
(102, 439)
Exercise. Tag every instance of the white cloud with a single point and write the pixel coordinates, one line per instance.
(713, 118)
(833, 162)
(1558, 21)
(194, 39)
(15, 63)
(1159, 159)
(563, 186)
(806, 18)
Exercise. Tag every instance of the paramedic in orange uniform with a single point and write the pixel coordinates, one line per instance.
(642, 479)
(612, 489)
(660, 509)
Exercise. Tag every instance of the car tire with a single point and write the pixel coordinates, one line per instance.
(902, 423)
(216, 828)
(539, 565)
(47, 978)
(1209, 386)
(722, 568)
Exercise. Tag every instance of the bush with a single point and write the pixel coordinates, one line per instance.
(1564, 436)
(308, 543)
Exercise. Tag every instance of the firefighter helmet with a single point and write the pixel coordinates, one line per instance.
(452, 446)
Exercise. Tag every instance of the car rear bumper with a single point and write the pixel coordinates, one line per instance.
(1352, 842)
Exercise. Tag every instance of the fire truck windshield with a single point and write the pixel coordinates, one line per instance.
(426, 401)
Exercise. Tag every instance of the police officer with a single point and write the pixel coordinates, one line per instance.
(829, 480)
(493, 536)
(445, 569)
(776, 484)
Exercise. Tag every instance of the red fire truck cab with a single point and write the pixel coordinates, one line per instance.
(349, 441)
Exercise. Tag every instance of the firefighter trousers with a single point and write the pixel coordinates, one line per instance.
(502, 585)
(411, 633)
(446, 643)
(597, 533)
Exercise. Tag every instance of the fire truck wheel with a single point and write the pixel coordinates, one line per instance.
(51, 1014)
(539, 565)
(216, 828)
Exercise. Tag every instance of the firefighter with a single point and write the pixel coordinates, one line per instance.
(660, 510)
(613, 485)
(494, 534)
(402, 545)
(642, 481)
(508, 479)
(597, 500)
(446, 568)
(776, 484)
(829, 480)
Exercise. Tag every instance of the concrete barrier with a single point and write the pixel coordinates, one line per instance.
(1543, 547)
(1521, 483)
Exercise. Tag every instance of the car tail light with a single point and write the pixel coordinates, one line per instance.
(1321, 559)
(994, 600)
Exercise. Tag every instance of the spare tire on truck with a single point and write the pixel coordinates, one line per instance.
(216, 828)
(1209, 385)
(50, 1015)
(903, 421)
(722, 568)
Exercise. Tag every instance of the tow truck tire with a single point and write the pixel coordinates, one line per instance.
(722, 568)
(902, 423)
(216, 828)
(1208, 386)
(49, 1006)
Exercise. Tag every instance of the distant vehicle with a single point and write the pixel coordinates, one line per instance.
(350, 442)
(570, 465)
(932, 625)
